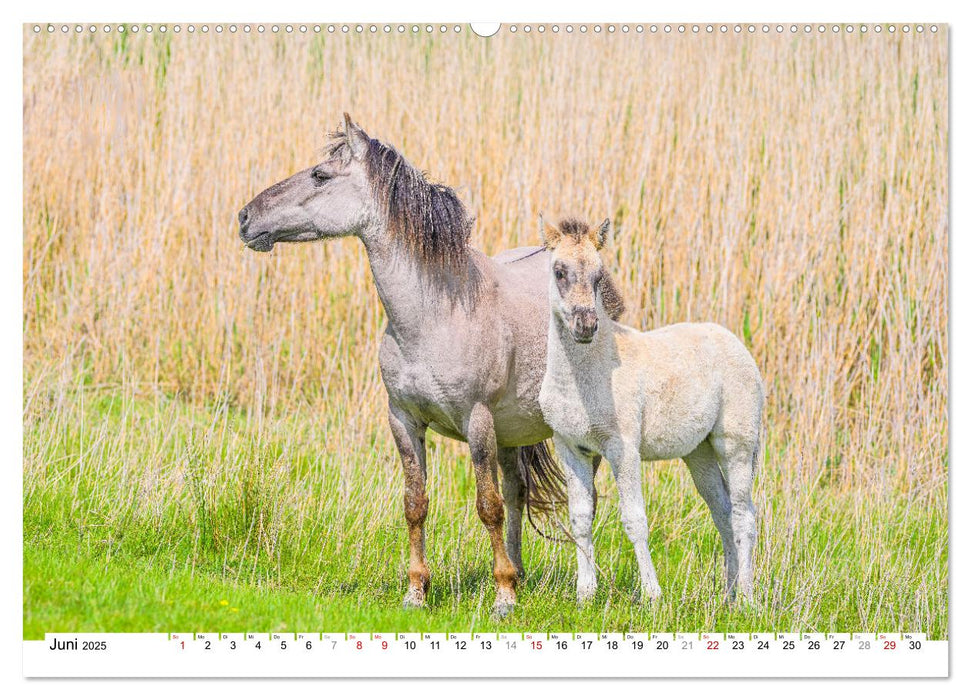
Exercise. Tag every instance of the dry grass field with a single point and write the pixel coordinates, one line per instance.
(205, 424)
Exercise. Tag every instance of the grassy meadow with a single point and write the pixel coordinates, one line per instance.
(205, 445)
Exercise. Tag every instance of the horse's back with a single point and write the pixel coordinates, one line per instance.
(523, 273)
(523, 254)
(709, 375)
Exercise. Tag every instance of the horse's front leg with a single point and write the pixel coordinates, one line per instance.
(482, 444)
(409, 436)
(582, 501)
(626, 463)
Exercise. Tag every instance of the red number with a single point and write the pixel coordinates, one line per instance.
(360, 645)
(384, 645)
(713, 646)
(889, 646)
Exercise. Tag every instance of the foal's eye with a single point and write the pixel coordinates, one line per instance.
(320, 176)
(559, 274)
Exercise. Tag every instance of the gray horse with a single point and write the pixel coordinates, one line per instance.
(464, 351)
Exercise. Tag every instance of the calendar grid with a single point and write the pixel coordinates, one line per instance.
(456, 654)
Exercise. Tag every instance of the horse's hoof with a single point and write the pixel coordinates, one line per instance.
(505, 604)
(502, 610)
(413, 599)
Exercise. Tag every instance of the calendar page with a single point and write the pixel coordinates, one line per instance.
(604, 349)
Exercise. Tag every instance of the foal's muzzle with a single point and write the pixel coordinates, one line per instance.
(584, 324)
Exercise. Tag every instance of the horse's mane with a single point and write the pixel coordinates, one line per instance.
(613, 300)
(427, 219)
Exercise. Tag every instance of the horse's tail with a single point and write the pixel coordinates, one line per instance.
(544, 481)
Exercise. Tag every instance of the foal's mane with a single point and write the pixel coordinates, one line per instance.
(613, 301)
(425, 218)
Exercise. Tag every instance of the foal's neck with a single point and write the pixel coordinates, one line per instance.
(568, 359)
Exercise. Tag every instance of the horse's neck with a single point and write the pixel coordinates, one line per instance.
(410, 303)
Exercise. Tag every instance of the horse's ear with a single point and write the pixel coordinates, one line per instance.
(357, 140)
(551, 234)
(600, 235)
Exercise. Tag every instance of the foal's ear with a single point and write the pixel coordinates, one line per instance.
(357, 140)
(551, 234)
(600, 235)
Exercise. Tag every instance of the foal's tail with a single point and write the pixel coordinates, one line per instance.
(544, 481)
(758, 457)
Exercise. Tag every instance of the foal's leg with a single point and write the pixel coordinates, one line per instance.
(582, 499)
(710, 482)
(738, 458)
(626, 463)
(409, 436)
(514, 496)
(482, 443)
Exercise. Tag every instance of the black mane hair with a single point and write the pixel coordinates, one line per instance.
(426, 219)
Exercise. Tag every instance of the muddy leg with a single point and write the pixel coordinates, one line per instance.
(482, 444)
(409, 436)
(514, 496)
(710, 482)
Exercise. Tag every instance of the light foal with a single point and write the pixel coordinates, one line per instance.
(689, 390)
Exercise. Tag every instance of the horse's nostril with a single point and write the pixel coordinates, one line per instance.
(243, 217)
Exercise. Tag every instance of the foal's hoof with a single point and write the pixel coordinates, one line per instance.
(586, 594)
(414, 598)
(646, 596)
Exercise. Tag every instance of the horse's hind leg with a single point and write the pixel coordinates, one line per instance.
(410, 439)
(482, 444)
(737, 457)
(514, 496)
(710, 482)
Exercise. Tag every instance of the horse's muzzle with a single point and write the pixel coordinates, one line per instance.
(261, 241)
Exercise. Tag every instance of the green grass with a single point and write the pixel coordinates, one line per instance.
(143, 515)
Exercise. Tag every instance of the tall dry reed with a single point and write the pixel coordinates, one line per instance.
(793, 188)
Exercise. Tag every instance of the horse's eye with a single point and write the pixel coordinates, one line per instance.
(320, 176)
(559, 274)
